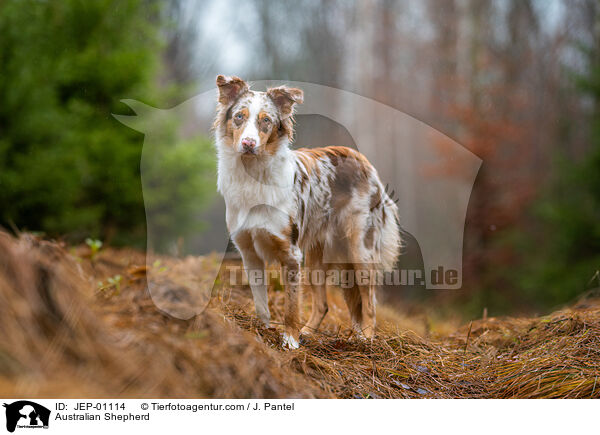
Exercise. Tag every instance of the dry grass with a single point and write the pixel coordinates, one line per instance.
(63, 335)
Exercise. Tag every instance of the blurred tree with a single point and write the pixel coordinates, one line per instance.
(66, 165)
(500, 91)
(489, 74)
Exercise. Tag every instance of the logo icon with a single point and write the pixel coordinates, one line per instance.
(26, 414)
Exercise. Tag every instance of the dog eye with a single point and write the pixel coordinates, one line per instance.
(239, 116)
(266, 120)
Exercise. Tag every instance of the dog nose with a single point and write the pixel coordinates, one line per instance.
(248, 144)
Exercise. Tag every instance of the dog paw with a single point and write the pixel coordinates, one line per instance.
(306, 331)
(290, 342)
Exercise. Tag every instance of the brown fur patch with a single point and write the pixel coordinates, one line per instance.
(268, 133)
(223, 123)
(236, 126)
(243, 240)
(240, 122)
(351, 172)
(295, 233)
(285, 98)
(308, 160)
(230, 88)
(337, 155)
(277, 247)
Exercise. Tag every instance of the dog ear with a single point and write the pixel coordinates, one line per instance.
(230, 88)
(285, 98)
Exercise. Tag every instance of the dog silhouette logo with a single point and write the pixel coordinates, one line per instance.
(26, 414)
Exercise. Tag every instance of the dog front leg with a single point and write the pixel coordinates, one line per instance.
(255, 270)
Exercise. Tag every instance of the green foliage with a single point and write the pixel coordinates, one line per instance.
(112, 283)
(66, 165)
(95, 246)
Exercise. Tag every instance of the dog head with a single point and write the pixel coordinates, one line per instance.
(254, 123)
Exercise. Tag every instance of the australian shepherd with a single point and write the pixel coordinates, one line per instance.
(324, 205)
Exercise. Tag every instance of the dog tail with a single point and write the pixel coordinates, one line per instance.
(391, 241)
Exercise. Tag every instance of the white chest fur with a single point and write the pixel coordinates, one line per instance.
(258, 192)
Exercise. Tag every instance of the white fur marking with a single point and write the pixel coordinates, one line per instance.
(242, 192)
(251, 131)
(290, 342)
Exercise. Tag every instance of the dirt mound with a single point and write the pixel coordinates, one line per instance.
(64, 335)
(74, 324)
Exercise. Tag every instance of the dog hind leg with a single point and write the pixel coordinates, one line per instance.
(318, 289)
